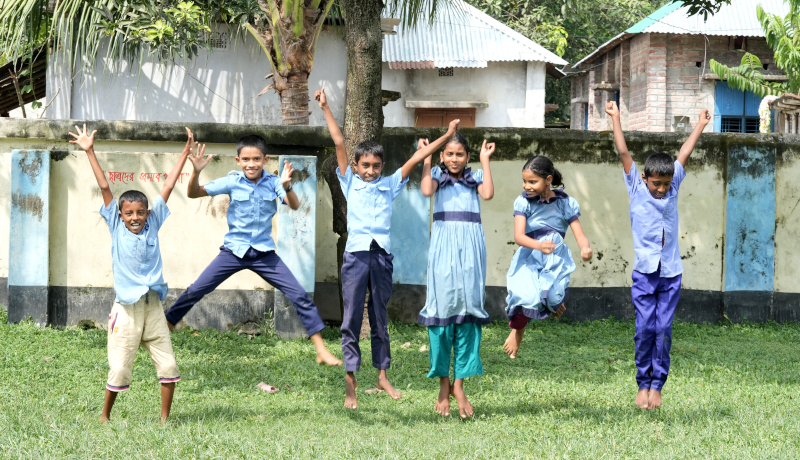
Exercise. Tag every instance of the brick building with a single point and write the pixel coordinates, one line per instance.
(658, 71)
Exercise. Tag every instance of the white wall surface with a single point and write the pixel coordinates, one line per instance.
(215, 87)
(502, 84)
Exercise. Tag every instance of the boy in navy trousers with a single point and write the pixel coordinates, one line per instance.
(367, 258)
(248, 244)
(657, 269)
(137, 317)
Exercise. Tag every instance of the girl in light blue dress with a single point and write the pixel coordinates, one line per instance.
(538, 279)
(453, 309)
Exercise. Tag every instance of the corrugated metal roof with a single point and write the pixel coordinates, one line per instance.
(735, 19)
(466, 38)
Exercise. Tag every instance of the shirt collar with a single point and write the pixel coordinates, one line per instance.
(466, 179)
(241, 175)
(559, 195)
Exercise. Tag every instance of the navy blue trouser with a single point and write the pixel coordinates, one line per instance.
(361, 270)
(654, 299)
(267, 265)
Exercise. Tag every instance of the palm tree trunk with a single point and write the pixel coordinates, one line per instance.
(294, 100)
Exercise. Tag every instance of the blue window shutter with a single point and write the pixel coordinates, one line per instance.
(728, 101)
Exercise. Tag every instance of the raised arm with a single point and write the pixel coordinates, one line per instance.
(688, 146)
(336, 133)
(199, 161)
(286, 181)
(428, 186)
(486, 189)
(428, 150)
(619, 137)
(172, 178)
(86, 142)
(524, 240)
(580, 238)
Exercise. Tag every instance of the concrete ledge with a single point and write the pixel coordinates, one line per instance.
(433, 104)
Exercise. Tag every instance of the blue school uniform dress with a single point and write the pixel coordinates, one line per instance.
(657, 273)
(454, 306)
(249, 246)
(367, 264)
(537, 282)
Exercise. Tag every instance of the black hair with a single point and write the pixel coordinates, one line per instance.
(133, 196)
(369, 147)
(543, 167)
(252, 140)
(659, 164)
(457, 139)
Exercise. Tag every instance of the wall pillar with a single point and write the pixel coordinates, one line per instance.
(534, 94)
(296, 241)
(749, 264)
(28, 256)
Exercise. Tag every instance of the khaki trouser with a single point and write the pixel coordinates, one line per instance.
(131, 325)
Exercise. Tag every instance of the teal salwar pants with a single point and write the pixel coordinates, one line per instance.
(465, 342)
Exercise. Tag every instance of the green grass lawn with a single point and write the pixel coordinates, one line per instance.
(732, 393)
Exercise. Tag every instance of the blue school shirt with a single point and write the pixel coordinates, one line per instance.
(650, 217)
(369, 208)
(459, 202)
(136, 259)
(250, 210)
(545, 217)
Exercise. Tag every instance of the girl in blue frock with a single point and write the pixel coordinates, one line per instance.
(453, 309)
(538, 278)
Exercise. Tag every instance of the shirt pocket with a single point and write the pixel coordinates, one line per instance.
(267, 204)
(242, 205)
(384, 195)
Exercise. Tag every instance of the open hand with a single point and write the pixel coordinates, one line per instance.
(191, 144)
(319, 95)
(705, 117)
(198, 158)
(487, 149)
(586, 254)
(547, 247)
(422, 143)
(84, 140)
(612, 109)
(286, 175)
(452, 129)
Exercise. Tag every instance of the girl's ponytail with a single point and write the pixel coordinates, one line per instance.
(543, 167)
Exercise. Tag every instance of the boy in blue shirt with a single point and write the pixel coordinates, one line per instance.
(657, 268)
(367, 258)
(137, 317)
(248, 244)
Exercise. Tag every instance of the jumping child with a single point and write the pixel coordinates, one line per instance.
(367, 257)
(248, 244)
(453, 309)
(657, 268)
(538, 279)
(137, 317)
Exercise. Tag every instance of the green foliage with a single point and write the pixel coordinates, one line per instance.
(747, 76)
(704, 7)
(783, 37)
(570, 28)
(569, 394)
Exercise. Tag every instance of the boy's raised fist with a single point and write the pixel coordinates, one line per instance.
(705, 117)
(319, 95)
(611, 108)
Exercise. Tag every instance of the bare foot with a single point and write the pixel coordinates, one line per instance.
(443, 402)
(511, 346)
(641, 398)
(560, 311)
(654, 401)
(326, 357)
(350, 398)
(103, 419)
(323, 355)
(383, 384)
(464, 406)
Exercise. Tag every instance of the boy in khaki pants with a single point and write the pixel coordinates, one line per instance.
(137, 317)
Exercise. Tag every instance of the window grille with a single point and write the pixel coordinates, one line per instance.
(218, 40)
(446, 72)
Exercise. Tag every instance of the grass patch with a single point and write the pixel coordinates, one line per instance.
(569, 394)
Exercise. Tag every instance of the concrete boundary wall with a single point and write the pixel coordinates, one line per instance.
(737, 234)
